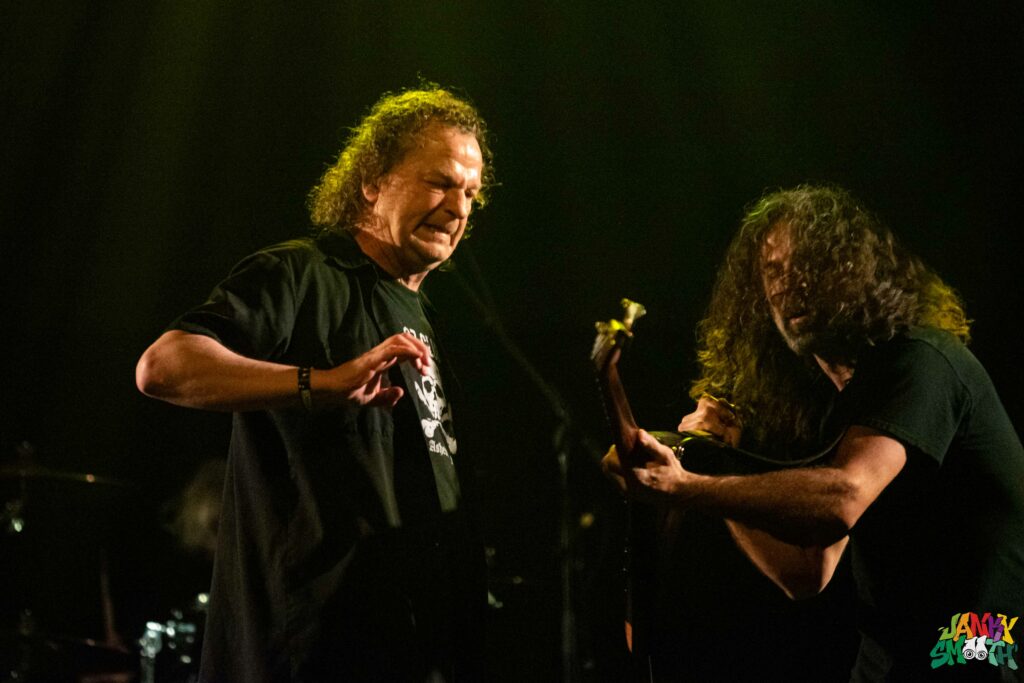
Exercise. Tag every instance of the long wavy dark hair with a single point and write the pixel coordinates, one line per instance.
(380, 141)
(859, 287)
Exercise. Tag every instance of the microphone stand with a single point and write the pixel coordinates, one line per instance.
(479, 296)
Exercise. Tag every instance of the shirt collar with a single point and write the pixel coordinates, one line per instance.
(341, 249)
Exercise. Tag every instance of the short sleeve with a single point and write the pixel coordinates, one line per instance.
(252, 312)
(910, 390)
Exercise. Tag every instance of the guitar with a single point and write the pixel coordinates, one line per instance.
(646, 523)
(651, 527)
(699, 452)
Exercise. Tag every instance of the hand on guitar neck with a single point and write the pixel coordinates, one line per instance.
(713, 417)
(636, 459)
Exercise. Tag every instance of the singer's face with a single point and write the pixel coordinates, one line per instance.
(785, 293)
(419, 209)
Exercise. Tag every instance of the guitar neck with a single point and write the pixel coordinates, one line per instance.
(611, 338)
(620, 416)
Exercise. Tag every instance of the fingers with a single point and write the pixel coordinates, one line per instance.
(657, 452)
(387, 398)
(364, 379)
(645, 477)
(395, 348)
(375, 362)
(721, 410)
(651, 483)
(656, 480)
(716, 417)
(405, 347)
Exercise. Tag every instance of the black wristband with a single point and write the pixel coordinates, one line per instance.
(304, 392)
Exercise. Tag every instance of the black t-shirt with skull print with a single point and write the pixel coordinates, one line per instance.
(423, 420)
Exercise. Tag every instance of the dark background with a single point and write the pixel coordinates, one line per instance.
(149, 146)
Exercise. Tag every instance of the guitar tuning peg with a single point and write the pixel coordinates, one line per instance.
(632, 311)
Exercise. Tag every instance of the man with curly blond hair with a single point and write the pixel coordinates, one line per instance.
(822, 329)
(346, 549)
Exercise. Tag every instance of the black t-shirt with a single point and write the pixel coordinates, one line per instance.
(425, 478)
(946, 537)
(336, 559)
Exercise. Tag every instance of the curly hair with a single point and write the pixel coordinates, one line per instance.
(380, 141)
(857, 285)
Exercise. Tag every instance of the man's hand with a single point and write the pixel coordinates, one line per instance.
(715, 417)
(364, 380)
(197, 371)
(652, 473)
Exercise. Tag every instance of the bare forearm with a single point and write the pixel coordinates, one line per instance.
(197, 372)
(807, 507)
(810, 509)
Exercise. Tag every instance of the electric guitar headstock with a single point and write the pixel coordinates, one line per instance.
(613, 335)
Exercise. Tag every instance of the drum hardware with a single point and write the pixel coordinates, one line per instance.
(28, 476)
(168, 651)
(180, 638)
(27, 655)
(54, 527)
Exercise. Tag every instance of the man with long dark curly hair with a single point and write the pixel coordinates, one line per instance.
(821, 328)
(345, 549)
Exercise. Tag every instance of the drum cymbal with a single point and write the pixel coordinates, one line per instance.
(33, 472)
(43, 655)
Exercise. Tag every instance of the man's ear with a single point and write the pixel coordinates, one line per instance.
(370, 192)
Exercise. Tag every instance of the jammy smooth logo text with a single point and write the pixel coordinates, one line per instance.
(979, 641)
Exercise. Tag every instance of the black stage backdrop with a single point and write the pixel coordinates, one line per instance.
(149, 146)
